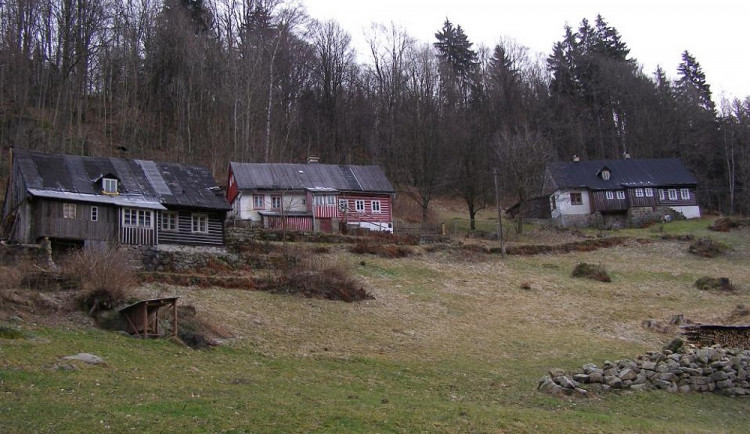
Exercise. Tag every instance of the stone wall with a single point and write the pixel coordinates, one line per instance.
(687, 369)
(643, 216)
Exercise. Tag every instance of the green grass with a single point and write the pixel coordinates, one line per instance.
(450, 344)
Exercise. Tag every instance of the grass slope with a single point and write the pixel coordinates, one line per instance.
(452, 343)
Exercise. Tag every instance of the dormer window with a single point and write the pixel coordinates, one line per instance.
(109, 185)
(605, 174)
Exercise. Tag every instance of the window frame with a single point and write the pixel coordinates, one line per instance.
(639, 192)
(94, 214)
(259, 201)
(375, 209)
(107, 184)
(685, 194)
(357, 207)
(662, 194)
(578, 195)
(648, 191)
(606, 174)
(609, 195)
(276, 201)
(672, 193)
(69, 211)
(137, 218)
(199, 223)
(343, 205)
(620, 194)
(172, 220)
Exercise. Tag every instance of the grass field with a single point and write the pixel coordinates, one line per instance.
(451, 343)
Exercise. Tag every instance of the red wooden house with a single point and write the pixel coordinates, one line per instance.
(311, 197)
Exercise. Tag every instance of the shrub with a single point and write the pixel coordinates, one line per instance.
(707, 248)
(326, 282)
(591, 271)
(707, 283)
(383, 250)
(195, 331)
(106, 277)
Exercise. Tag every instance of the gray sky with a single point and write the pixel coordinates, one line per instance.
(656, 31)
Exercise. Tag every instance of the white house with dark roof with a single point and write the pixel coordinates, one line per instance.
(628, 191)
(76, 200)
(311, 197)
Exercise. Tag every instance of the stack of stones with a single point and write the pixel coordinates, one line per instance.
(689, 369)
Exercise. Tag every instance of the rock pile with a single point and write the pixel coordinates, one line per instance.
(679, 369)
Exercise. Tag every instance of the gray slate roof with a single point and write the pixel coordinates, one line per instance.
(143, 183)
(320, 177)
(657, 172)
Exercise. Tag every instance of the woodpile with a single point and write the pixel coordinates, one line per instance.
(726, 336)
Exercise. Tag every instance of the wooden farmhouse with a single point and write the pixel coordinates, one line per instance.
(311, 197)
(620, 192)
(74, 200)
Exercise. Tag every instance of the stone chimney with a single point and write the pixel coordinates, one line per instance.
(313, 159)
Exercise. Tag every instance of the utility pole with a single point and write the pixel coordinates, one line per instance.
(499, 214)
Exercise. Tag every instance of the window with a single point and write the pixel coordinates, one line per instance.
(199, 223)
(552, 203)
(319, 200)
(605, 175)
(576, 199)
(258, 201)
(343, 205)
(620, 195)
(170, 221)
(330, 199)
(94, 213)
(649, 192)
(672, 193)
(661, 194)
(609, 195)
(136, 218)
(375, 205)
(69, 210)
(359, 205)
(638, 192)
(276, 202)
(109, 185)
(684, 194)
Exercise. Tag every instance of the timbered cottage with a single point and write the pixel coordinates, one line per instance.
(619, 192)
(77, 200)
(311, 197)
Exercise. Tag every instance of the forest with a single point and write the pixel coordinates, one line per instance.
(209, 81)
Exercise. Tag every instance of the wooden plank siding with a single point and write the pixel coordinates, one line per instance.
(184, 234)
(293, 223)
(367, 215)
(601, 203)
(693, 200)
(49, 221)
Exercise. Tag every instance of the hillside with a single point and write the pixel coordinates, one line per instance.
(455, 340)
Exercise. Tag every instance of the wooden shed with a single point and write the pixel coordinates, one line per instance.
(142, 317)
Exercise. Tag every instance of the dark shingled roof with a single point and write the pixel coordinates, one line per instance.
(142, 182)
(282, 176)
(623, 173)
